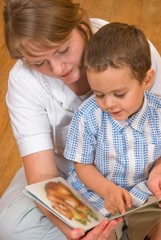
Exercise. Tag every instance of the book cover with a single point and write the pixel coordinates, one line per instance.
(66, 203)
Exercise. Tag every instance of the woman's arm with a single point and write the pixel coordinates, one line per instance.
(40, 166)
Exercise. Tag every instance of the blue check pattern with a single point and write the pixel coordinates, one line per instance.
(124, 152)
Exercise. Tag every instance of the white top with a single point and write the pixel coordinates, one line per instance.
(41, 107)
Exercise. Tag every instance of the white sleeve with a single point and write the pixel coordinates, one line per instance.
(156, 65)
(29, 119)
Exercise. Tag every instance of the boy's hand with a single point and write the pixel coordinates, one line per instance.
(117, 199)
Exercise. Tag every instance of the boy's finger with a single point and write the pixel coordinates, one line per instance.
(128, 200)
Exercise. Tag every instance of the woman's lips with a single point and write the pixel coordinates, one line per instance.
(67, 74)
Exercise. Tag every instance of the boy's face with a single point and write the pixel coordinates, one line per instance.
(117, 91)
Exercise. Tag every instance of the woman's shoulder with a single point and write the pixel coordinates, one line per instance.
(19, 67)
(22, 75)
(24, 82)
(19, 73)
(156, 65)
(97, 23)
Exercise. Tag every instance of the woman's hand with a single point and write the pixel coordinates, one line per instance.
(101, 232)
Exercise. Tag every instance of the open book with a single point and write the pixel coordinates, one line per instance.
(66, 203)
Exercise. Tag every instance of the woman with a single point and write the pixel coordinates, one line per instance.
(45, 87)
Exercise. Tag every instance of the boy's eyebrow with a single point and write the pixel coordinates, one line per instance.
(117, 90)
(96, 91)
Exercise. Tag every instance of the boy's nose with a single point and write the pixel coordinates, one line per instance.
(109, 103)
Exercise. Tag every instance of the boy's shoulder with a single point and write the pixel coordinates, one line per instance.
(153, 100)
(88, 105)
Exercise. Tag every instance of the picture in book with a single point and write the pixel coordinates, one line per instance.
(66, 203)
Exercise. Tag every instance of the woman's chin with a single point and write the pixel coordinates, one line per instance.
(72, 79)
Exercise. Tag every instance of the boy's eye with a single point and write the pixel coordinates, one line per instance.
(120, 95)
(99, 96)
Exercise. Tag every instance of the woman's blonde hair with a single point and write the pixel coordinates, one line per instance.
(41, 22)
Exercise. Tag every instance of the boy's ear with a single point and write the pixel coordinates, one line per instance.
(149, 79)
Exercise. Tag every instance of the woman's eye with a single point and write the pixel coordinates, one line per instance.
(38, 64)
(63, 51)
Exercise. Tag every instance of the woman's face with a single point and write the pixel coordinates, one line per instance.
(64, 61)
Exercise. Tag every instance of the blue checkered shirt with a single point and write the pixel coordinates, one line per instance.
(124, 152)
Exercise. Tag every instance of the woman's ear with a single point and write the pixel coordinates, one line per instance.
(149, 79)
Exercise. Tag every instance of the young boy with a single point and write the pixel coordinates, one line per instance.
(115, 136)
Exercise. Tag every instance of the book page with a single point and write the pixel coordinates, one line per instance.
(65, 202)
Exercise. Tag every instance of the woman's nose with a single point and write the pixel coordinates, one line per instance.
(56, 67)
